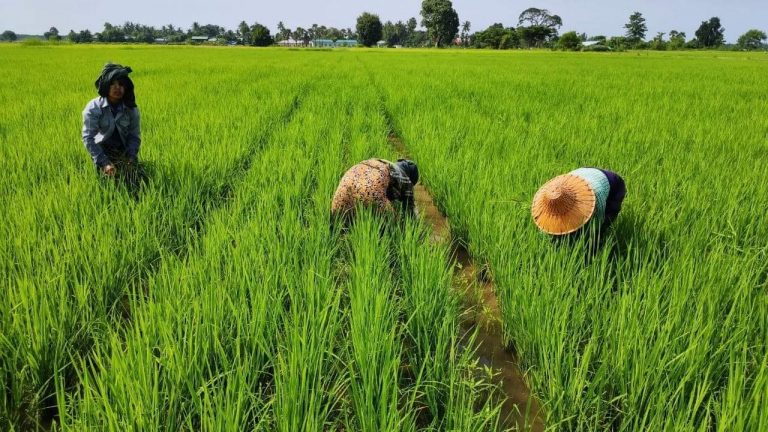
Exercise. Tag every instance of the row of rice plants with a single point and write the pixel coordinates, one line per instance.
(664, 327)
(217, 319)
(441, 388)
(73, 246)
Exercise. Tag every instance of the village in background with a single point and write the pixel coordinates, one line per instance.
(439, 27)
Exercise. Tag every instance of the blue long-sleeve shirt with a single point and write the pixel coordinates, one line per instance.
(99, 124)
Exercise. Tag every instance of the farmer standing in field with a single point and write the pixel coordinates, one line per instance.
(111, 127)
(570, 202)
(377, 183)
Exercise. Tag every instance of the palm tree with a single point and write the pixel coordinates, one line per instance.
(465, 33)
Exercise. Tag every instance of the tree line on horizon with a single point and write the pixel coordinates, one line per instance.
(536, 28)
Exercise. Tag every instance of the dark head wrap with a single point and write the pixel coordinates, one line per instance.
(113, 72)
(409, 168)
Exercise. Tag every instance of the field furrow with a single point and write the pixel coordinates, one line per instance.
(480, 318)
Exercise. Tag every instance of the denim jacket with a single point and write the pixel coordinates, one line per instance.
(99, 124)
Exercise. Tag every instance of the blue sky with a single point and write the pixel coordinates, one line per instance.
(594, 17)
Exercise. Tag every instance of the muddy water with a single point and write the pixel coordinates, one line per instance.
(482, 313)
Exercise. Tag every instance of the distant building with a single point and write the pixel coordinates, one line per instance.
(199, 39)
(290, 42)
(161, 40)
(598, 46)
(346, 43)
(381, 44)
(329, 43)
(322, 43)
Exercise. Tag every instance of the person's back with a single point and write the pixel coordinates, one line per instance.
(378, 184)
(569, 202)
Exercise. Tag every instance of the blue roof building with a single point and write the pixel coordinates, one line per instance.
(328, 43)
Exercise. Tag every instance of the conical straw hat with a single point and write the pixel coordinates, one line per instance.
(563, 205)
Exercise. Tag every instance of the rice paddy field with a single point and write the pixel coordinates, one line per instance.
(220, 298)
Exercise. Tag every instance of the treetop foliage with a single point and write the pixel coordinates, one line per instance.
(710, 33)
(8, 36)
(636, 28)
(751, 40)
(368, 29)
(440, 20)
(541, 27)
(539, 17)
(569, 41)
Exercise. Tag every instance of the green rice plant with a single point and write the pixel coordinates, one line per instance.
(310, 379)
(374, 332)
(79, 246)
(221, 298)
(433, 310)
(251, 327)
(199, 371)
(647, 326)
(450, 390)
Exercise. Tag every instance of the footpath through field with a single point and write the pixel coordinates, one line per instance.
(482, 315)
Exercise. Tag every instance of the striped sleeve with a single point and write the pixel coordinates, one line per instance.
(401, 188)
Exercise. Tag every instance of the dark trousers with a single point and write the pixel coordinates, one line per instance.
(115, 149)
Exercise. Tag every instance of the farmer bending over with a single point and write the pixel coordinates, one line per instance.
(571, 201)
(111, 130)
(377, 183)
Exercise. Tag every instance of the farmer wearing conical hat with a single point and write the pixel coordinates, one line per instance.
(111, 127)
(383, 185)
(571, 201)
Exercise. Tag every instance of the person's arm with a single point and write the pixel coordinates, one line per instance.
(401, 189)
(133, 137)
(91, 117)
(615, 197)
(408, 202)
(405, 194)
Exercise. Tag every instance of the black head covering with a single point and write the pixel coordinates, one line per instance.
(113, 72)
(410, 169)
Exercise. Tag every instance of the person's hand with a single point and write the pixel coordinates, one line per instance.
(109, 170)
